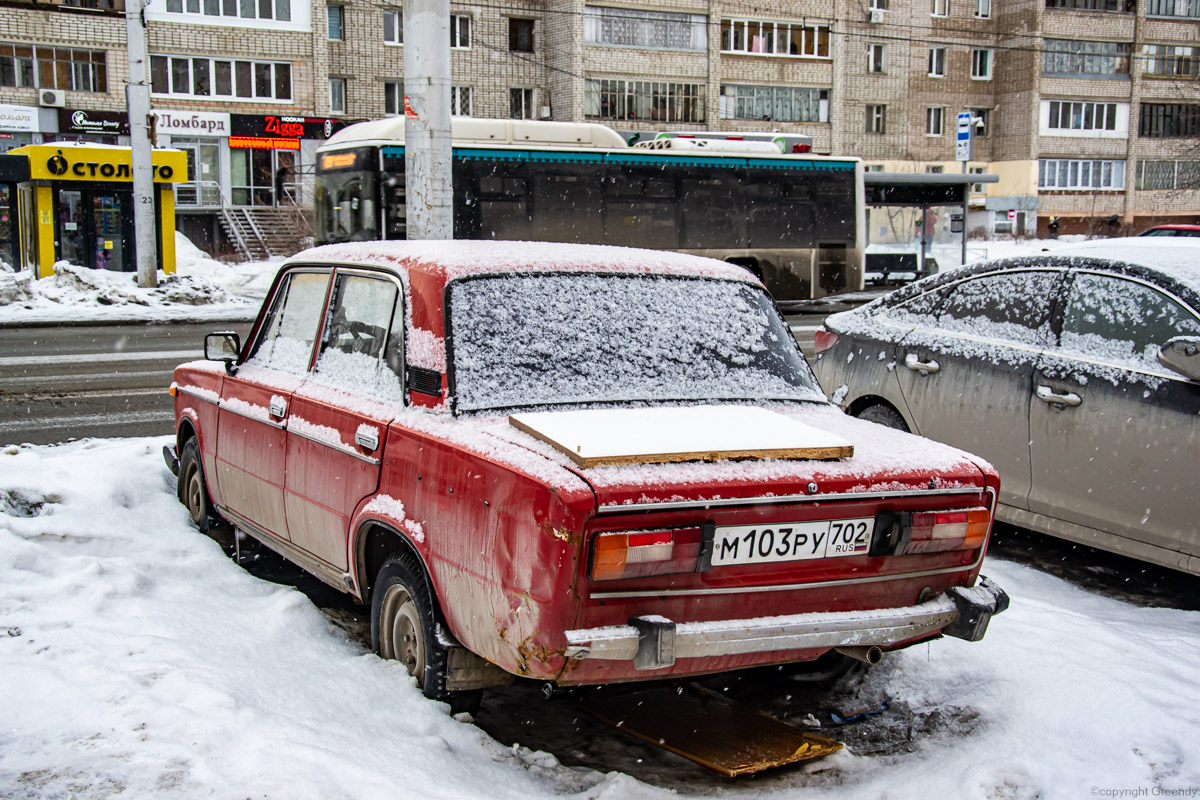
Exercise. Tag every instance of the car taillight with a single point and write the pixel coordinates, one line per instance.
(938, 531)
(636, 554)
(823, 340)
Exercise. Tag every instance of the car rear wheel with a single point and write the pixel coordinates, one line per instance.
(403, 625)
(884, 415)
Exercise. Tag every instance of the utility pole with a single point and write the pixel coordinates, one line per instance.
(137, 103)
(427, 138)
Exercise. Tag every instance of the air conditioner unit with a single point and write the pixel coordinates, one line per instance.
(876, 15)
(54, 98)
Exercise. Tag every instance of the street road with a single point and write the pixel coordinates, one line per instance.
(70, 382)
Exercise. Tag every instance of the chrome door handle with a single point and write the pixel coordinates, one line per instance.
(1046, 394)
(277, 406)
(368, 441)
(916, 365)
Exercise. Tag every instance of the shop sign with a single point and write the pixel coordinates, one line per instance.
(190, 123)
(82, 163)
(262, 143)
(281, 127)
(105, 123)
(23, 119)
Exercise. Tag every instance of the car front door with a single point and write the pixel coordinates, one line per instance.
(253, 410)
(966, 374)
(340, 416)
(1116, 437)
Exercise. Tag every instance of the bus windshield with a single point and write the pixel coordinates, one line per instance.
(534, 340)
(345, 207)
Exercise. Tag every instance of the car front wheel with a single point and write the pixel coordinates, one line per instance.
(884, 415)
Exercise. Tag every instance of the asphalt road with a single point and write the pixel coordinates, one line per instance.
(71, 382)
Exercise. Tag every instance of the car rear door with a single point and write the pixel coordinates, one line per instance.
(966, 376)
(1116, 441)
(252, 414)
(340, 416)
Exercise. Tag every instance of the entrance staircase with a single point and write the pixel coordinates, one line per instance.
(260, 233)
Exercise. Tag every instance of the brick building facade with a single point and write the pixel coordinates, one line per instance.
(1088, 110)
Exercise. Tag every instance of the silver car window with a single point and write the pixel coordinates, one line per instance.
(291, 326)
(1120, 321)
(1004, 306)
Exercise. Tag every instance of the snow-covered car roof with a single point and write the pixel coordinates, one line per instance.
(448, 260)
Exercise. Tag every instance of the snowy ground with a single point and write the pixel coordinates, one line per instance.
(202, 289)
(138, 661)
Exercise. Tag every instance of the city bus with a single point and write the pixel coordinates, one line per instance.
(795, 221)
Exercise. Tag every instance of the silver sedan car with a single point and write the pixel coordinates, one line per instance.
(1076, 373)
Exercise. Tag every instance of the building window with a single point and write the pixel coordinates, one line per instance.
(655, 101)
(1174, 8)
(941, 8)
(393, 98)
(393, 27)
(1169, 120)
(981, 119)
(937, 62)
(1082, 116)
(983, 9)
(74, 70)
(877, 58)
(877, 5)
(336, 19)
(873, 168)
(1002, 223)
(274, 10)
(1126, 6)
(775, 103)
(877, 119)
(460, 101)
(933, 121)
(1080, 174)
(520, 35)
(626, 27)
(337, 95)
(934, 169)
(1069, 57)
(220, 78)
(754, 37)
(460, 32)
(520, 103)
(981, 65)
(977, 188)
(1168, 175)
(1171, 61)
(16, 65)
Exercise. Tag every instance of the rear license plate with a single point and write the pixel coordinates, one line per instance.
(791, 541)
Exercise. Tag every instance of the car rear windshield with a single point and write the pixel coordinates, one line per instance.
(533, 340)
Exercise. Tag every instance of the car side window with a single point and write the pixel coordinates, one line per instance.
(359, 340)
(1116, 320)
(1009, 306)
(291, 326)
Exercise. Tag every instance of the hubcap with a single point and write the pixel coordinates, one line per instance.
(193, 488)
(400, 635)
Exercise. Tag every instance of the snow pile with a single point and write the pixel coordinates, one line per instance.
(201, 288)
(137, 660)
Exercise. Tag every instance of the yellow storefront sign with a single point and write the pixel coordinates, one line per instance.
(75, 163)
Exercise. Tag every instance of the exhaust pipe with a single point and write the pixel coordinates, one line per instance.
(869, 655)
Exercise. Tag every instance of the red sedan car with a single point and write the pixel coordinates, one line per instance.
(578, 464)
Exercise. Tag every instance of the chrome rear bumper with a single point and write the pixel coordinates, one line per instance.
(655, 642)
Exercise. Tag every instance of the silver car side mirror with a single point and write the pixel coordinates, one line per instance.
(223, 346)
(1182, 354)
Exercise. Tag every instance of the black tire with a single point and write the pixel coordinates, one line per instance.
(404, 621)
(884, 415)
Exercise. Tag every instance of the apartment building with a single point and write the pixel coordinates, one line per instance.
(1087, 110)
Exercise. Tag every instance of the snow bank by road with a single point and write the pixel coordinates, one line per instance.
(201, 289)
(137, 661)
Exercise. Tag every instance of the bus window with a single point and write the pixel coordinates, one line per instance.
(714, 214)
(568, 206)
(633, 223)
